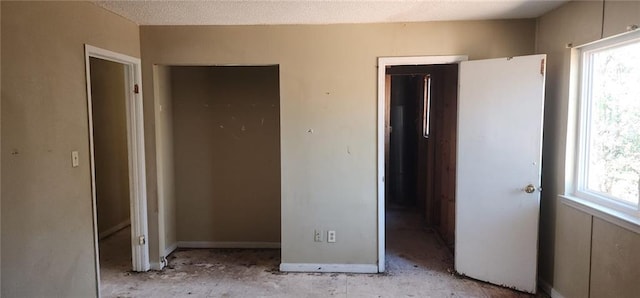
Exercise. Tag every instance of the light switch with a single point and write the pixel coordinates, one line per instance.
(75, 160)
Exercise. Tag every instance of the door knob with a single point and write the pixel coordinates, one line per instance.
(530, 188)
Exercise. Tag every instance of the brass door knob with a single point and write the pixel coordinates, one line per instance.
(530, 188)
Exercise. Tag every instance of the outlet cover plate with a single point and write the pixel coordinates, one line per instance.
(331, 236)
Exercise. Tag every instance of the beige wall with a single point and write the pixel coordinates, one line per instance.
(618, 14)
(227, 153)
(0, 149)
(615, 264)
(574, 257)
(110, 144)
(327, 110)
(47, 233)
(164, 144)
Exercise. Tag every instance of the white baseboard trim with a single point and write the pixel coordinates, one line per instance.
(226, 244)
(160, 265)
(110, 231)
(170, 249)
(546, 287)
(339, 268)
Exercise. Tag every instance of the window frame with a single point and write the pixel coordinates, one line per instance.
(584, 79)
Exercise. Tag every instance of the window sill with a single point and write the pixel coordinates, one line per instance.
(615, 217)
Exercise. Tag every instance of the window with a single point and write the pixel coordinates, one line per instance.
(608, 159)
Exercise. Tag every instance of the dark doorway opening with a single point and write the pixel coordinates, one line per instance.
(111, 163)
(420, 149)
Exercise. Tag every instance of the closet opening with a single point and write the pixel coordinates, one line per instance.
(218, 140)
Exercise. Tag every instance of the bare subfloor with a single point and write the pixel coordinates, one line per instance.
(418, 265)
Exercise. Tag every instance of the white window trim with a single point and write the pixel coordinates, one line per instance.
(615, 211)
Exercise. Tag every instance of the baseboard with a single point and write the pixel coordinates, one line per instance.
(340, 268)
(225, 244)
(110, 231)
(170, 249)
(546, 287)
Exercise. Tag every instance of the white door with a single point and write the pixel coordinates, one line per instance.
(498, 170)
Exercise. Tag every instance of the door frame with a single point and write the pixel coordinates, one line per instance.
(136, 156)
(383, 62)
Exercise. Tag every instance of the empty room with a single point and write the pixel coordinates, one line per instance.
(471, 148)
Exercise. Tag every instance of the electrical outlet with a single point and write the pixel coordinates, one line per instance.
(317, 236)
(75, 159)
(331, 236)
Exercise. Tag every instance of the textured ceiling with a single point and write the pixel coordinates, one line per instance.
(243, 12)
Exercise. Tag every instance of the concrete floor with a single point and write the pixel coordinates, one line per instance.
(418, 263)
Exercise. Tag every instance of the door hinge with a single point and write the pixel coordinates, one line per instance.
(136, 89)
(142, 240)
(542, 66)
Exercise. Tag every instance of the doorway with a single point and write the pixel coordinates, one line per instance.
(416, 148)
(490, 208)
(116, 144)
